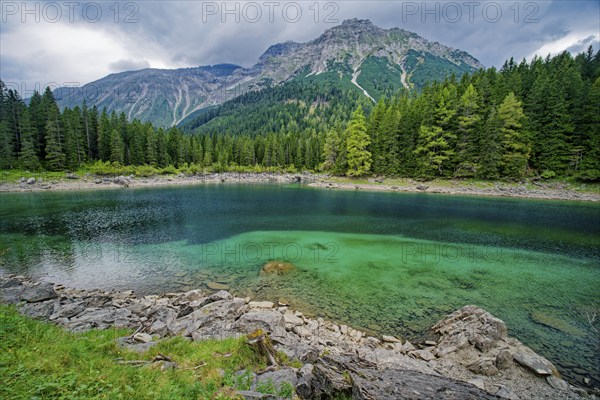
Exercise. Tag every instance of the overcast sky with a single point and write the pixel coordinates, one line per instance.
(67, 42)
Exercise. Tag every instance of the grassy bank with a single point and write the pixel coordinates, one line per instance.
(42, 361)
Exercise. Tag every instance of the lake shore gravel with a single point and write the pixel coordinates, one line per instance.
(531, 190)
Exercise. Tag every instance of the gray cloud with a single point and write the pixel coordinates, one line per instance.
(584, 44)
(128, 65)
(190, 33)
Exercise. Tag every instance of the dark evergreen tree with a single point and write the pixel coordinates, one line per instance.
(117, 147)
(357, 142)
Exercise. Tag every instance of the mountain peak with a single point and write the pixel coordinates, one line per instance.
(355, 25)
(357, 53)
(357, 22)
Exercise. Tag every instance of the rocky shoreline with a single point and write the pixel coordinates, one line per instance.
(89, 182)
(495, 189)
(555, 191)
(467, 355)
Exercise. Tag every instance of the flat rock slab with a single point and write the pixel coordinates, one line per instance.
(41, 292)
(534, 362)
(261, 304)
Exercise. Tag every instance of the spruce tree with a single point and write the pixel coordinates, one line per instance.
(7, 155)
(332, 149)
(55, 157)
(469, 128)
(388, 143)
(434, 147)
(208, 149)
(374, 131)
(151, 146)
(515, 144)
(104, 130)
(162, 149)
(357, 142)
(489, 167)
(27, 156)
(590, 163)
(117, 148)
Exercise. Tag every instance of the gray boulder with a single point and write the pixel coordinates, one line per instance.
(276, 379)
(41, 292)
(40, 310)
(214, 320)
(68, 310)
(295, 349)
(470, 325)
(270, 321)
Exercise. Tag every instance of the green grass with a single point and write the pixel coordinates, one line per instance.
(42, 361)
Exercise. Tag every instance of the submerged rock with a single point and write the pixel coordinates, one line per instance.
(217, 286)
(556, 323)
(277, 267)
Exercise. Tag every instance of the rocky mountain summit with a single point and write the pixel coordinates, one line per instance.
(467, 355)
(362, 54)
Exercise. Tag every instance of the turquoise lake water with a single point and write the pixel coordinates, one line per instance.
(390, 263)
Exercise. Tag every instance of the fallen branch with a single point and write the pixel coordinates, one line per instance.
(134, 362)
(136, 331)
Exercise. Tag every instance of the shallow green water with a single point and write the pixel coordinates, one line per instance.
(386, 262)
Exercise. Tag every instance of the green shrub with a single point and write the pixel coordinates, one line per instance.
(590, 175)
(548, 174)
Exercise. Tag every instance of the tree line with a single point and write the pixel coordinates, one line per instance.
(528, 119)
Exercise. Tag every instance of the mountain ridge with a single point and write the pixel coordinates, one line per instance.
(359, 51)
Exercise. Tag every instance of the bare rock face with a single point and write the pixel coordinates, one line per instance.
(277, 267)
(470, 325)
(346, 375)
